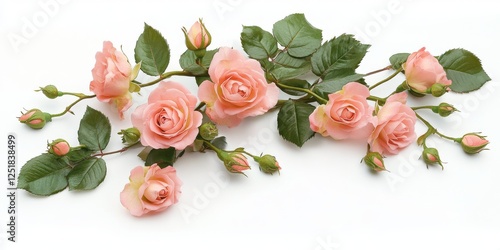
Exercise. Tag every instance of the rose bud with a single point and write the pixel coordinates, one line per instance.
(208, 131)
(198, 37)
(233, 161)
(438, 89)
(444, 109)
(130, 135)
(50, 91)
(431, 157)
(473, 143)
(268, 164)
(375, 161)
(59, 147)
(35, 118)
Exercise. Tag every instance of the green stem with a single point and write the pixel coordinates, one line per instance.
(380, 100)
(68, 108)
(386, 79)
(114, 152)
(320, 99)
(200, 106)
(432, 128)
(422, 107)
(379, 70)
(163, 77)
(213, 147)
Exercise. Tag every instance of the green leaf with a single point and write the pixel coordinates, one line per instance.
(87, 174)
(464, 69)
(298, 83)
(152, 50)
(44, 175)
(293, 122)
(398, 59)
(200, 79)
(297, 35)
(334, 83)
(258, 43)
(286, 67)
(162, 157)
(95, 130)
(220, 142)
(187, 61)
(340, 53)
(77, 155)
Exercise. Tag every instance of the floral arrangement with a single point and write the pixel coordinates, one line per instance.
(312, 83)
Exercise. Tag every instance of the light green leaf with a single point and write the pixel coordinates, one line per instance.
(258, 43)
(398, 59)
(334, 83)
(95, 130)
(297, 35)
(87, 174)
(44, 175)
(293, 122)
(152, 50)
(286, 67)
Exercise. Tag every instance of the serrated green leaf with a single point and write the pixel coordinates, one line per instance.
(188, 62)
(464, 69)
(398, 59)
(44, 175)
(87, 174)
(162, 157)
(220, 142)
(335, 82)
(95, 130)
(297, 35)
(285, 67)
(258, 43)
(338, 54)
(77, 155)
(152, 50)
(293, 122)
(298, 83)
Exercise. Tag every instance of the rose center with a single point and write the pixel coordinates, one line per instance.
(156, 191)
(347, 113)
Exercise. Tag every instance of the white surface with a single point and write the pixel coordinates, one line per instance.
(323, 199)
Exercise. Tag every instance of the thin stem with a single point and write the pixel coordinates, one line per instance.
(68, 108)
(433, 129)
(422, 107)
(114, 152)
(386, 79)
(163, 77)
(213, 147)
(379, 70)
(380, 100)
(320, 99)
(200, 106)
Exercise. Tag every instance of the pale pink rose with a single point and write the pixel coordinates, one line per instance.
(111, 75)
(237, 89)
(151, 189)
(169, 118)
(396, 126)
(345, 115)
(422, 70)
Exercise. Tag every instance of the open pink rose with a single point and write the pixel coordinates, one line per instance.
(169, 118)
(396, 126)
(111, 75)
(422, 70)
(237, 89)
(345, 115)
(151, 189)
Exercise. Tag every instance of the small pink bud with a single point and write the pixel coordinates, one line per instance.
(268, 164)
(375, 161)
(473, 143)
(59, 147)
(35, 118)
(431, 157)
(233, 161)
(198, 37)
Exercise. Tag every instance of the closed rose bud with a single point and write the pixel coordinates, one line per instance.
(473, 143)
(444, 109)
(438, 89)
(233, 161)
(268, 164)
(198, 37)
(431, 157)
(208, 131)
(59, 147)
(130, 135)
(375, 161)
(35, 118)
(50, 91)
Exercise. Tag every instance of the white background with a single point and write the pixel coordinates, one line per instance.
(323, 199)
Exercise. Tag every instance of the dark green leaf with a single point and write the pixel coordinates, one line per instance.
(162, 157)
(341, 53)
(464, 69)
(293, 122)
(188, 62)
(220, 142)
(44, 175)
(95, 130)
(153, 51)
(297, 35)
(335, 82)
(298, 83)
(87, 174)
(77, 155)
(258, 43)
(286, 67)
(201, 79)
(398, 59)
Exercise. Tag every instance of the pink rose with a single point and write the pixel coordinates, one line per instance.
(151, 189)
(111, 75)
(345, 115)
(396, 126)
(237, 89)
(423, 70)
(169, 118)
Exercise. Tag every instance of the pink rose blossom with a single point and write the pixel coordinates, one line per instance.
(396, 126)
(151, 189)
(345, 115)
(423, 70)
(111, 75)
(169, 118)
(237, 89)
